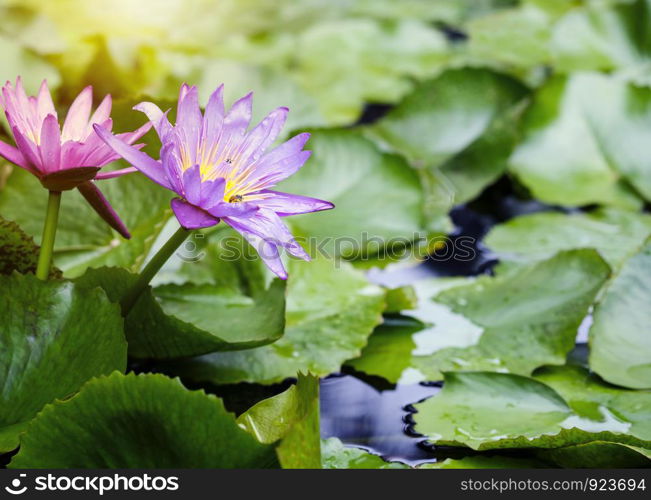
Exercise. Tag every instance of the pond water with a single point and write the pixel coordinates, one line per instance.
(370, 413)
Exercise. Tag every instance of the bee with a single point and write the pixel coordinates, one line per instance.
(236, 198)
(229, 161)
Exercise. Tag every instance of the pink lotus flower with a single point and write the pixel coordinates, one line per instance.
(220, 170)
(66, 158)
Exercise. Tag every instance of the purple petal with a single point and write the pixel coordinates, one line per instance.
(267, 251)
(291, 204)
(147, 165)
(192, 185)
(213, 118)
(104, 209)
(50, 144)
(268, 226)
(191, 217)
(225, 209)
(74, 128)
(189, 123)
(263, 135)
(172, 166)
(279, 163)
(13, 155)
(158, 119)
(212, 192)
(131, 137)
(238, 117)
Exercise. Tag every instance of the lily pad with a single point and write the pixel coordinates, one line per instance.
(378, 197)
(18, 252)
(513, 322)
(598, 455)
(139, 421)
(560, 406)
(185, 320)
(292, 416)
(460, 117)
(620, 345)
(335, 455)
(598, 38)
(616, 234)
(560, 159)
(331, 311)
(48, 348)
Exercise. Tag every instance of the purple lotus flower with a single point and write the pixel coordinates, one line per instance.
(67, 158)
(222, 172)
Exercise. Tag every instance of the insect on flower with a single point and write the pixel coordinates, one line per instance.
(69, 157)
(220, 170)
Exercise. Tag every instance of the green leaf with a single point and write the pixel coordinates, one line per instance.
(620, 345)
(48, 348)
(377, 196)
(347, 62)
(401, 298)
(444, 116)
(559, 159)
(598, 455)
(139, 421)
(334, 455)
(331, 310)
(598, 38)
(18, 252)
(389, 349)
(614, 233)
(292, 416)
(563, 406)
(187, 320)
(83, 239)
(517, 37)
(484, 462)
(620, 125)
(513, 322)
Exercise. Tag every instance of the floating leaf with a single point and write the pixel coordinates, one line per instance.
(334, 455)
(614, 233)
(331, 310)
(186, 320)
(55, 336)
(560, 159)
(620, 344)
(139, 421)
(598, 455)
(513, 322)
(292, 416)
(563, 406)
(377, 196)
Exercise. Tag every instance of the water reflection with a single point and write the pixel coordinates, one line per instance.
(362, 415)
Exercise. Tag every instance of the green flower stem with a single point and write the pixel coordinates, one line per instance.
(49, 233)
(152, 267)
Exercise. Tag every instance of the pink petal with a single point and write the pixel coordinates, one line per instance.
(13, 155)
(44, 105)
(115, 173)
(28, 149)
(103, 208)
(50, 146)
(101, 114)
(74, 128)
